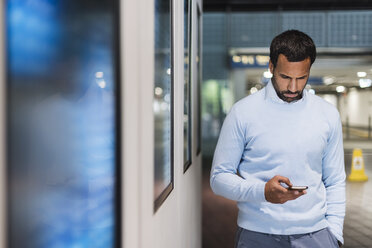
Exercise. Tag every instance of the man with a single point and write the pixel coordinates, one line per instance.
(280, 137)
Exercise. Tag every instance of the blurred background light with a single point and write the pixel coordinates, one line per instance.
(340, 89)
(99, 74)
(365, 82)
(328, 80)
(158, 91)
(361, 73)
(267, 74)
(253, 90)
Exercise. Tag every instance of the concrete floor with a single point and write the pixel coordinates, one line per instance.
(219, 214)
(358, 219)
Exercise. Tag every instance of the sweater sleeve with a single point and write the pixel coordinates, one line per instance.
(224, 180)
(334, 180)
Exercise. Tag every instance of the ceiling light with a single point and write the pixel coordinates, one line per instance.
(361, 73)
(158, 91)
(328, 80)
(237, 59)
(253, 90)
(247, 60)
(365, 82)
(340, 89)
(267, 74)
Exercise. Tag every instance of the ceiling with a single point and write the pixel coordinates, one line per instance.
(341, 68)
(252, 5)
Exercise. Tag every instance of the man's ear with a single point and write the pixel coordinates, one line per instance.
(271, 67)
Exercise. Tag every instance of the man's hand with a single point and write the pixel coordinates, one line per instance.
(276, 193)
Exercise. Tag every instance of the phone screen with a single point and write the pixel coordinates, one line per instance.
(298, 188)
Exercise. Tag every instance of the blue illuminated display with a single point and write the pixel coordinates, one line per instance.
(32, 35)
(62, 139)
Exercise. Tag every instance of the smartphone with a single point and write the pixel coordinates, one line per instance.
(299, 188)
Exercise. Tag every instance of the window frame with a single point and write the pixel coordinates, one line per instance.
(188, 161)
(169, 188)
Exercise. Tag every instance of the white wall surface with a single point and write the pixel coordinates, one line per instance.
(238, 83)
(177, 223)
(357, 105)
(332, 99)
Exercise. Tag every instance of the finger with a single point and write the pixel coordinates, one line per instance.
(285, 180)
(278, 186)
(294, 194)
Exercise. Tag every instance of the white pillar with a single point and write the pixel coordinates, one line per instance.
(238, 84)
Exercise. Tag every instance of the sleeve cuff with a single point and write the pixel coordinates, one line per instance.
(259, 191)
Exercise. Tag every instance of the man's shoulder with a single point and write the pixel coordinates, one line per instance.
(248, 108)
(320, 104)
(251, 101)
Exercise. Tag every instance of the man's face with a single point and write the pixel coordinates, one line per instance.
(290, 78)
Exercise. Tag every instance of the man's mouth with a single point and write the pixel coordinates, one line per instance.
(290, 95)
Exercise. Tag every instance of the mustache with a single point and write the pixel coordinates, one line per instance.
(290, 92)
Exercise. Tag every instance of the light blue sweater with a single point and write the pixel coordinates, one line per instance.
(263, 136)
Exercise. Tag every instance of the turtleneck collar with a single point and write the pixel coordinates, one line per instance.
(270, 94)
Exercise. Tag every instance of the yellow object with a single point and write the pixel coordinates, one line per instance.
(357, 167)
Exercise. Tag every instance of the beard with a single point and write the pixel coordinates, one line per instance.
(281, 93)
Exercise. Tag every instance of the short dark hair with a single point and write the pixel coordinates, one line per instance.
(295, 45)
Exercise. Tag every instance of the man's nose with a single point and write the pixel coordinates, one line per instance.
(292, 87)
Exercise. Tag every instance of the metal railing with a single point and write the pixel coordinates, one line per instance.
(358, 132)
